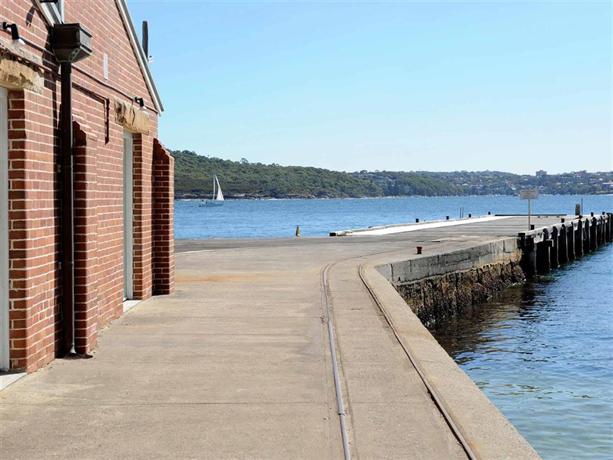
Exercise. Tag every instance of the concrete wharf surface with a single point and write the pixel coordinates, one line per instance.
(237, 364)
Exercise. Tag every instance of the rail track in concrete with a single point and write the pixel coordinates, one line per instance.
(436, 398)
(338, 387)
(344, 423)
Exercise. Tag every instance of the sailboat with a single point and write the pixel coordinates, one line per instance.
(217, 199)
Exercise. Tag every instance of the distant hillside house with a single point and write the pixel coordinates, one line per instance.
(86, 188)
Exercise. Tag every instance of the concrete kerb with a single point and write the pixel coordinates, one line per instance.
(413, 269)
(483, 427)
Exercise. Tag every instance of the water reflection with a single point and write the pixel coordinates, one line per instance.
(542, 353)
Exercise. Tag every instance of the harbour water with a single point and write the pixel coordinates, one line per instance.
(279, 218)
(543, 355)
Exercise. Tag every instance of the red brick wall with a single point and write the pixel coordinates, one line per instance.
(34, 200)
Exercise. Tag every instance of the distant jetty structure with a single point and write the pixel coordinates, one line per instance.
(549, 247)
(438, 286)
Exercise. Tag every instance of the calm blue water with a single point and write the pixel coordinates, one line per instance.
(279, 218)
(543, 353)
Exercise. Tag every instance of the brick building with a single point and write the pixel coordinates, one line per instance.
(68, 265)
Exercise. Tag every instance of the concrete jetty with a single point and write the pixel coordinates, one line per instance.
(295, 348)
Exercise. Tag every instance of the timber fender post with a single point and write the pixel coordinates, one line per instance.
(563, 245)
(586, 236)
(528, 260)
(570, 234)
(550, 247)
(554, 252)
(579, 238)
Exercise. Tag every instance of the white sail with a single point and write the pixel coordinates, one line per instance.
(219, 196)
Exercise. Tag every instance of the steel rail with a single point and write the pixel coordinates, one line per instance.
(335, 369)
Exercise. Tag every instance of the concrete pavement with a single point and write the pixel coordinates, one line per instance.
(236, 363)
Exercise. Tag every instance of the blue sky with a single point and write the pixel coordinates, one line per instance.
(514, 86)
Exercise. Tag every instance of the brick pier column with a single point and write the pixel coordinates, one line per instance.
(163, 220)
(143, 187)
(33, 239)
(86, 239)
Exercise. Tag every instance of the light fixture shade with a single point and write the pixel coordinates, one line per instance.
(14, 30)
(70, 42)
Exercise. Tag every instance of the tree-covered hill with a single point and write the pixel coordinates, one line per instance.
(242, 179)
(194, 177)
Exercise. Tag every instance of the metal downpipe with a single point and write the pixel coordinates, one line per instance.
(67, 222)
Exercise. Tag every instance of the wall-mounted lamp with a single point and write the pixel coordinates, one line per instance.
(13, 28)
(140, 101)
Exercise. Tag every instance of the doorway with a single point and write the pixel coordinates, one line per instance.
(4, 234)
(128, 216)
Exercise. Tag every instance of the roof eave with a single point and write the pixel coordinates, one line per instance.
(143, 61)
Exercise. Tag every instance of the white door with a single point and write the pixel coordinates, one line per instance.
(128, 217)
(4, 234)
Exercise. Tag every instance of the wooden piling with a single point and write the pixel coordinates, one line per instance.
(586, 236)
(570, 233)
(551, 247)
(554, 248)
(543, 257)
(579, 239)
(528, 260)
(601, 231)
(563, 245)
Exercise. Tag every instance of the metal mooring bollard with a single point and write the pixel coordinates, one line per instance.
(298, 231)
(419, 248)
